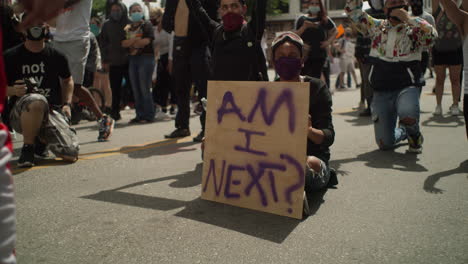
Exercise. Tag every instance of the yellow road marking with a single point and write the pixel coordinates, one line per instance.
(125, 150)
(108, 153)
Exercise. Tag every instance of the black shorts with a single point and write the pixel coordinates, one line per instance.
(447, 57)
(88, 79)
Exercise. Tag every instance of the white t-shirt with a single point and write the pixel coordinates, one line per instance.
(73, 22)
(465, 64)
(349, 48)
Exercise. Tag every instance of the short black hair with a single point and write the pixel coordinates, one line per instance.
(241, 1)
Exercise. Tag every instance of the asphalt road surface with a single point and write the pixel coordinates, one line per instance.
(136, 199)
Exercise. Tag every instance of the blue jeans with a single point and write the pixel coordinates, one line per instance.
(386, 107)
(140, 71)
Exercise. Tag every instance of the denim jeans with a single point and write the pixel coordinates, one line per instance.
(386, 107)
(140, 70)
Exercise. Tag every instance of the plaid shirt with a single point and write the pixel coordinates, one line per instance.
(401, 43)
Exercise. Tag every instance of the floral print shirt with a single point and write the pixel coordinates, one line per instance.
(403, 42)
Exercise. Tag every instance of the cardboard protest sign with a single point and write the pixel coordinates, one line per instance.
(255, 148)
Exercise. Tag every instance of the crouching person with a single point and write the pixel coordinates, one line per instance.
(39, 80)
(287, 51)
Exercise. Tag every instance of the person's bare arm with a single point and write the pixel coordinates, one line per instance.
(37, 11)
(332, 35)
(456, 15)
(67, 95)
(141, 43)
(127, 43)
(435, 5)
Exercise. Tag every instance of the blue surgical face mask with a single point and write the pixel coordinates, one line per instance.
(314, 9)
(94, 28)
(136, 16)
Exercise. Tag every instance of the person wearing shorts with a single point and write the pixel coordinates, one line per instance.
(72, 38)
(460, 19)
(447, 53)
(37, 64)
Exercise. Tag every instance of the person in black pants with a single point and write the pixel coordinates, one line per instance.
(191, 60)
(237, 51)
(114, 56)
(318, 31)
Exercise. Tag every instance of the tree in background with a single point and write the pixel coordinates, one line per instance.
(99, 7)
(274, 7)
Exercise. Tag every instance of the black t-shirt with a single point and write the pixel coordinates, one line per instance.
(320, 109)
(45, 67)
(237, 56)
(314, 36)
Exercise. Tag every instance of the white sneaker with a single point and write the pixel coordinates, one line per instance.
(162, 116)
(454, 110)
(438, 110)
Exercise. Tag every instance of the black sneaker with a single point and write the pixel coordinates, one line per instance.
(26, 159)
(106, 127)
(333, 181)
(199, 137)
(172, 110)
(415, 143)
(40, 150)
(116, 116)
(366, 112)
(178, 133)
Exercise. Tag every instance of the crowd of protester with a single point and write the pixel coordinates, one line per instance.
(155, 60)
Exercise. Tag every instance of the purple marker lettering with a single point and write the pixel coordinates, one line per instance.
(248, 134)
(300, 173)
(256, 182)
(285, 97)
(227, 187)
(212, 170)
(228, 98)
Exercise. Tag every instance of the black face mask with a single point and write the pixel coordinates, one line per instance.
(393, 8)
(417, 7)
(36, 33)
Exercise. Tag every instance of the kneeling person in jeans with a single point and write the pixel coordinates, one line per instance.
(287, 51)
(34, 59)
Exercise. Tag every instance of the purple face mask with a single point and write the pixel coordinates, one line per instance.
(288, 68)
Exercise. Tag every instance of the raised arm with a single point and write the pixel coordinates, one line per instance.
(456, 15)
(364, 23)
(257, 23)
(202, 16)
(424, 34)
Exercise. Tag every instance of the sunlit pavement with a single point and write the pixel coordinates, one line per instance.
(135, 199)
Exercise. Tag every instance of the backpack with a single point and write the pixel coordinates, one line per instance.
(60, 137)
(450, 38)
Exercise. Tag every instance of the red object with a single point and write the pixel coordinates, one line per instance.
(3, 81)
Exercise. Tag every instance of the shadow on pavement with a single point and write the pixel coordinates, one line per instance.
(258, 224)
(253, 223)
(316, 200)
(358, 120)
(443, 121)
(383, 160)
(430, 182)
(161, 151)
(118, 196)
